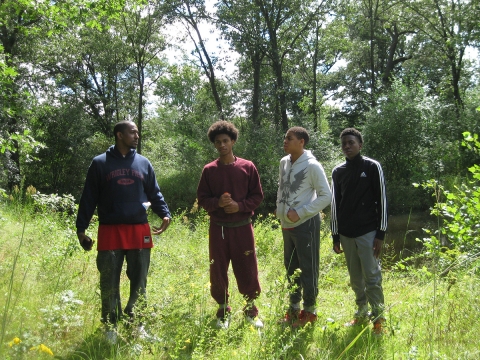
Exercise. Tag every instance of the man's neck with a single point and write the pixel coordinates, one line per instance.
(354, 158)
(227, 159)
(294, 157)
(122, 149)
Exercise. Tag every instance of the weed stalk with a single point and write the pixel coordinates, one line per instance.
(6, 309)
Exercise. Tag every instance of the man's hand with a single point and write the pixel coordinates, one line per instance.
(85, 242)
(225, 200)
(158, 230)
(337, 248)
(232, 207)
(292, 215)
(229, 205)
(377, 247)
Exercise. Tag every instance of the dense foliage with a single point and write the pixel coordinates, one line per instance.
(405, 73)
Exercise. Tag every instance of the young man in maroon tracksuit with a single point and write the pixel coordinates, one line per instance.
(230, 190)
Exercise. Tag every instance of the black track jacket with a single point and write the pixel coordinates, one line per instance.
(359, 201)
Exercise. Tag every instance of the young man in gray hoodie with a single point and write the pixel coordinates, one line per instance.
(303, 192)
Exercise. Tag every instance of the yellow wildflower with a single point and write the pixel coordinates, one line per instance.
(15, 341)
(187, 341)
(42, 348)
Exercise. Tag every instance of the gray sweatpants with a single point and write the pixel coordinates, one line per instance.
(301, 247)
(109, 264)
(364, 270)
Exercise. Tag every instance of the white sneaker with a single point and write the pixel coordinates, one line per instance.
(142, 334)
(111, 337)
(223, 323)
(255, 322)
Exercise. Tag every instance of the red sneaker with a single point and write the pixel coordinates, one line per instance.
(304, 318)
(357, 321)
(290, 317)
(379, 327)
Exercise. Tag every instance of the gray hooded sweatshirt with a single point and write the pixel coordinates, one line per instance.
(303, 187)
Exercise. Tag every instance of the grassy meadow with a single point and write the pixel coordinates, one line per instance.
(50, 302)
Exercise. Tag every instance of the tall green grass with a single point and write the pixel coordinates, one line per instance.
(50, 297)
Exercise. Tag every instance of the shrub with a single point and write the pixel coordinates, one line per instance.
(455, 242)
(54, 203)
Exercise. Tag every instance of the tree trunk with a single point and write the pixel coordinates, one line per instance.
(391, 61)
(204, 57)
(256, 64)
(9, 40)
(141, 83)
(314, 81)
(277, 68)
(372, 15)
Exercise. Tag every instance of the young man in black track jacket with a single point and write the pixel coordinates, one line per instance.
(358, 223)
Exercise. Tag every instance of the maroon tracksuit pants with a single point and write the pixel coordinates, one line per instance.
(235, 244)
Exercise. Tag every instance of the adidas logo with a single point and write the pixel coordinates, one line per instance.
(363, 174)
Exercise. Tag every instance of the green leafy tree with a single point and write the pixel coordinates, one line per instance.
(192, 14)
(455, 242)
(285, 23)
(176, 140)
(142, 25)
(92, 67)
(378, 31)
(26, 28)
(316, 58)
(69, 147)
(446, 28)
(403, 133)
(19, 20)
(247, 34)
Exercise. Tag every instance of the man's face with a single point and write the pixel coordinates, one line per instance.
(292, 144)
(223, 144)
(351, 146)
(129, 138)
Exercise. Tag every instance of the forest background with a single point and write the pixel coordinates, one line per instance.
(398, 71)
(404, 73)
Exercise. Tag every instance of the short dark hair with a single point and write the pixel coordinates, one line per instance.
(222, 127)
(300, 133)
(354, 132)
(121, 127)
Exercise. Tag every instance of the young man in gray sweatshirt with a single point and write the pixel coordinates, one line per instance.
(302, 193)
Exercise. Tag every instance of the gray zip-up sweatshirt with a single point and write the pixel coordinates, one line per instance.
(303, 187)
